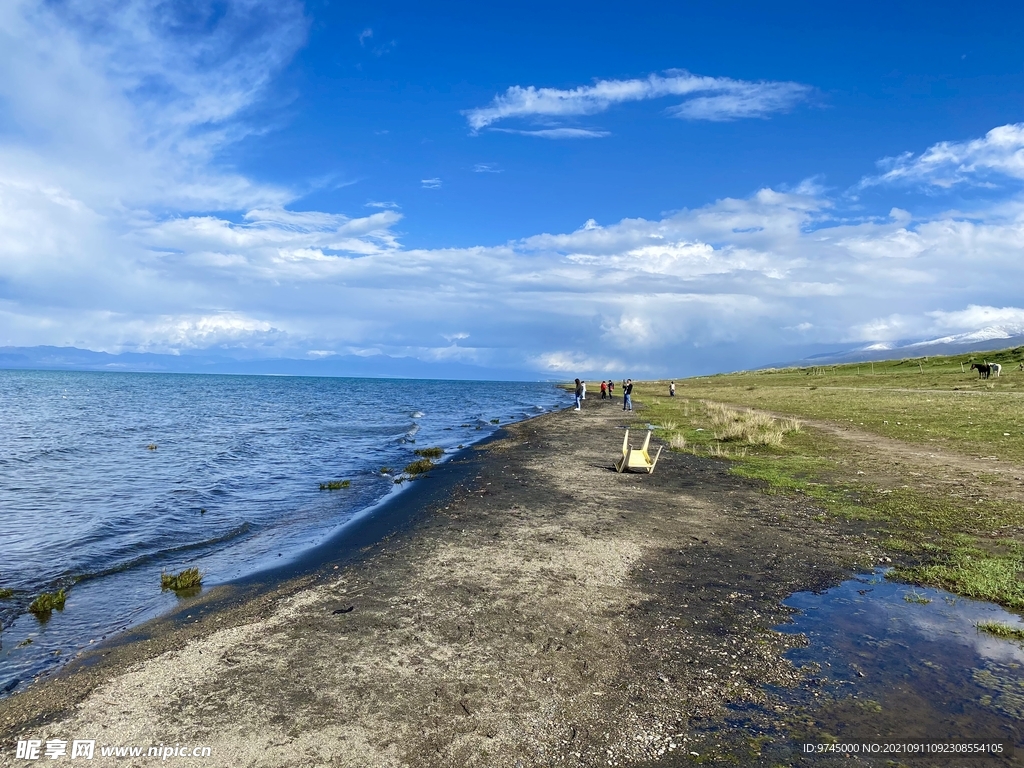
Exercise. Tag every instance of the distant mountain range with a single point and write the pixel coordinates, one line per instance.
(376, 366)
(384, 366)
(982, 340)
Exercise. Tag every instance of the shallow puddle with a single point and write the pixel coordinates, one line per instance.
(894, 661)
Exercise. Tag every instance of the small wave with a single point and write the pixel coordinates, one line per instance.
(417, 414)
(234, 533)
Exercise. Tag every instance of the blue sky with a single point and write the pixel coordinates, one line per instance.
(581, 189)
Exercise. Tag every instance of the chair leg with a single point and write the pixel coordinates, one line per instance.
(624, 464)
(654, 463)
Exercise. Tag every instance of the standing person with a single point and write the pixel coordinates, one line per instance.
(604, 390)
(579, 393)
(672, 389)
(583, 384)
(611, 389)
(627, 395)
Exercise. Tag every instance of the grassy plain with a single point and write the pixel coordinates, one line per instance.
(927, 455)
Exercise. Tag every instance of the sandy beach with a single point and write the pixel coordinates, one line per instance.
(544, 610)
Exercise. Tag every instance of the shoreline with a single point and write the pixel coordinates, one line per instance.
(521, 613)
(357, 524)
(369, 528)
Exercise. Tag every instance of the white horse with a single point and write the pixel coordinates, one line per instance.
(995, 368)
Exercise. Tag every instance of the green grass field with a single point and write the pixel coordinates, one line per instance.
(857, 438)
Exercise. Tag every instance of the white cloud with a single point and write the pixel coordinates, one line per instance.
(223, 329)
(127, 104)
(434, 183)
(1000, 153)
(366, 34)
(709, 98)
(559, 133)
(568, 362)
(486, 168)
(752, 100)
(975, 316)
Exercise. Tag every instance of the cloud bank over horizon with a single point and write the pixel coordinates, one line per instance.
(123, 229)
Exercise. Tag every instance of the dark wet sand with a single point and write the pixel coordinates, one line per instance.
(539, 609)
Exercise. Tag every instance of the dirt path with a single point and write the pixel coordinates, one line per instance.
(922, 457)
(550, 612)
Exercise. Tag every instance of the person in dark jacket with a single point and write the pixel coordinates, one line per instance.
(579, 394)
(627, 395)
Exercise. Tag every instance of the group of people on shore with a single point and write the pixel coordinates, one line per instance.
(607, 392)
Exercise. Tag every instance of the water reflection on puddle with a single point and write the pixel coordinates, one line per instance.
(904, 662)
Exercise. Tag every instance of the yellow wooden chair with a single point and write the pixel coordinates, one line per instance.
(637, 458)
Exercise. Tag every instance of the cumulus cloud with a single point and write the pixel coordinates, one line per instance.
(708, 98)
(998, 154)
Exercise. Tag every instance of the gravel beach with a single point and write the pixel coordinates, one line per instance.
(544, 610)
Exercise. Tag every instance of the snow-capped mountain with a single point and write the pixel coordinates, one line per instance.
(981, 340)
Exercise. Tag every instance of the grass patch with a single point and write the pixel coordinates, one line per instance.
(335, 485)
(430, 453)
(190, 578)
(419, 466)
(495, 421)
(385, 470)
(972, 572)
(48, 602)
(916, 597)
(1004, 631)
(6, 593)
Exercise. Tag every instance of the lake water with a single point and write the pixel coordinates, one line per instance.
(108, 479)
(891, 661)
